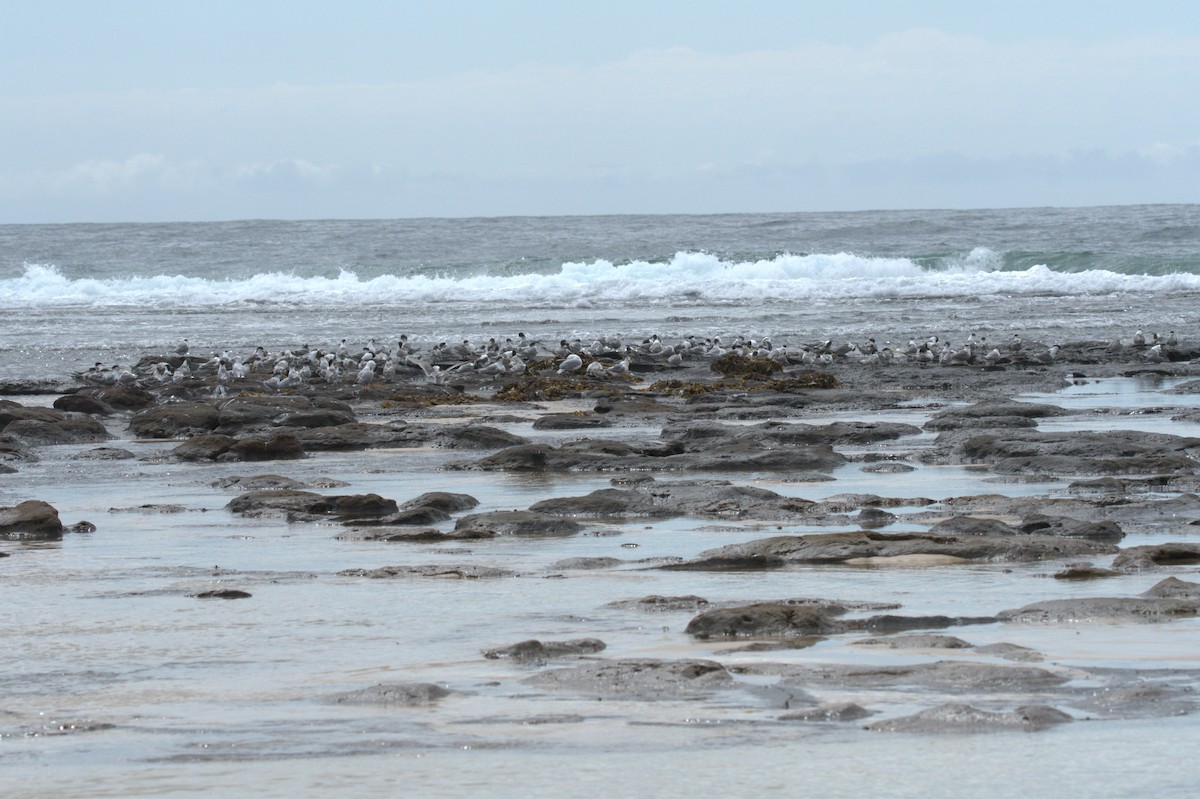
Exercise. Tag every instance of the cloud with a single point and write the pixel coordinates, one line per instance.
(922, 107)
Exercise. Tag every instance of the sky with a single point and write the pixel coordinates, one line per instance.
(127, 111)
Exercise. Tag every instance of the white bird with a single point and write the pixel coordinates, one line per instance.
(182, 349)
(572, 363)
(596, 369)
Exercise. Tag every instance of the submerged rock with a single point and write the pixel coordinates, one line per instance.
(534, 650)
(639, 679)
(958, 718)
(394, 693)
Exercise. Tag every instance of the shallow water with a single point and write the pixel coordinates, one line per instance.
(212, 695)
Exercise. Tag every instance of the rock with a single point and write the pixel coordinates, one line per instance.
(762, 619)
(204, 447)
(468, 571)
(476, 436)
(316, 417)
(1083, 571)
(1041, 524)
(222, 593)
(1174, 588)
(104, 454)
(638, 679)
(570, 421)
(410, 535)
(306, 503)
(534, 650)
(519, 523)
(1011, 652)
(1103, 609)
(1149, 557)
(171, 421)
(410, 517)
(123, 398)
(697, 498)
(916, 642)
(394, 694)
(443, 501)
(31, 520)
(839, 711)
(991, 413)
(970, 525)
(657, 603)
(68, 428)
(1084, 452)
(585, 564)
(961, 718)
(277, 447)
(82, 403)
(356, 435)
(865, 546)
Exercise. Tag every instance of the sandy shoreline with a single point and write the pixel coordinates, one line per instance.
(610, 556)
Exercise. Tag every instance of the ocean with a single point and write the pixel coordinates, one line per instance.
(116, 680)
(72, 295)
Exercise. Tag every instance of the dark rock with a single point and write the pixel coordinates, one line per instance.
(657, 603)
(970, 525)
(277, 447)
(411, 517)
(476, 436)
(317, 417)
(170, 421)
(534, 650)
(1084, 452)
(1151, 556)
(82, 403)
(517, 522)
(991, 410)
(70, 428)
(570, 421)
(309, 504)
(356, 435)
(222, 593)
(761, 619)
(31, 520)
(443, 501)
(1041, 524)
(124, 398)
(104, 454)
(204, 447)
(698, 498)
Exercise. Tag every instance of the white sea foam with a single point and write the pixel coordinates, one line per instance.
(688, 275)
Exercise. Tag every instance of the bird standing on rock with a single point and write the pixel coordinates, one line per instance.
(572, 363)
